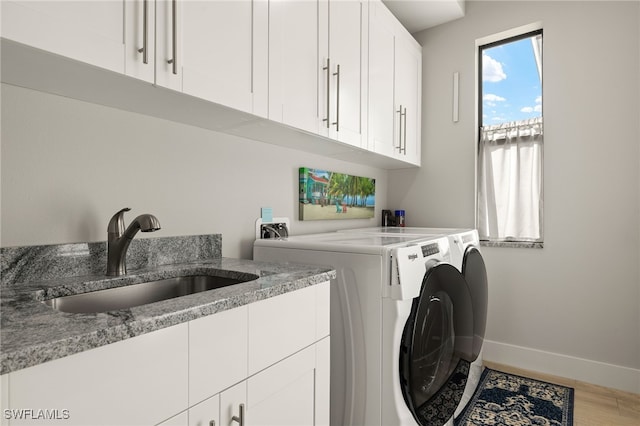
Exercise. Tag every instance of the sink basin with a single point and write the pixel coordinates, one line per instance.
(140, 294)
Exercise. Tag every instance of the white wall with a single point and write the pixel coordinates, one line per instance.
(68, 166)
(572, 308)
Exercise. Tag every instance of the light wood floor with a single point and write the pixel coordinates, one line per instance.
(593, 405)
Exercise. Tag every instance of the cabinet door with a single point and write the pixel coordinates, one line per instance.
(140, 36)
(138, 381)
(233, 403)
(169, 54)
(181, 419)
(381, 80)
(284, 393)
(285, 324)
(205, 412)
(408, 87)
(293, 64)
(217, 51)
(88, 31)
(217, 353)
(346, 36)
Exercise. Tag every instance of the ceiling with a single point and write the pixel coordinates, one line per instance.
(417, 15)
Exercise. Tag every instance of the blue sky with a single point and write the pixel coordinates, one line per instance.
(510, 83)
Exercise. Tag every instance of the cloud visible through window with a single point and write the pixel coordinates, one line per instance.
(536, 108)
(491, 100)
(516, 96)
(492, 70)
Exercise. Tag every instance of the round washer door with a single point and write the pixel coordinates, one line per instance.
(475, 273)
(437, 346)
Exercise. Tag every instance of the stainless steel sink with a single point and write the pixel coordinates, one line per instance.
(140, 294)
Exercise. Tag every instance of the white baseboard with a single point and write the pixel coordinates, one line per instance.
(599, 373)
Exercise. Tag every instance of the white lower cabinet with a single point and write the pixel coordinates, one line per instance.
(285, 357)
(181, 419)
(138, 381)
(266, 363)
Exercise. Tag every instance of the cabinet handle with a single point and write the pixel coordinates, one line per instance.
(337, 122)
(399, 130)
(174, 38)
(145, 31)
(328, 92)
(404, 150)
(240, 417)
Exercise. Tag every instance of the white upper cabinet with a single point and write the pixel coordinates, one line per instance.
(316, 66)
(408, 89)
(347, 54)
(217, 52)
(381, 80)
(395, 67)
(153, 37)
(345, 70)
(169, 41)
(293, 64)
(87, 31)
(140, 39)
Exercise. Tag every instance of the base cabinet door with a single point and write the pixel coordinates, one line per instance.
(138, 381)
(206, 412)
(217, 353)
(284, 393)
(181, 419)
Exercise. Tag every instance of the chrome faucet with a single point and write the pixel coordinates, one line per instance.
(118, 239)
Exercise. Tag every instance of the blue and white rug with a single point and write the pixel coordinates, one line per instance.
(510, 400)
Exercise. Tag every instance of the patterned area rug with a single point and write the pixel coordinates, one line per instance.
(509, 400)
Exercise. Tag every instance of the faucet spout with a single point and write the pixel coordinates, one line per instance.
(119, 238)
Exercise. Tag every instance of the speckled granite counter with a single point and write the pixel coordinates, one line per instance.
(32, 333)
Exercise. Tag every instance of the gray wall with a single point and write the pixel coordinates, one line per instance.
(572, 308)
(68, 166)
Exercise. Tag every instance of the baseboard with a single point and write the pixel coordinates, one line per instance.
(599, 373)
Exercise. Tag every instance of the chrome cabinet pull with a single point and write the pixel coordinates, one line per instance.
(174, 38)
(145, 31)
(337, 122)
(399, 130)
(328, 92)
(240, 417)
(404, 150)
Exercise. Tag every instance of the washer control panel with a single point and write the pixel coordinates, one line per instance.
(430, 249)
(409, 265)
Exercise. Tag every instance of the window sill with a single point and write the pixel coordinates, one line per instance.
(513, 244)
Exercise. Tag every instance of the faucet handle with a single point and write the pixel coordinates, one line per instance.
(116, 224)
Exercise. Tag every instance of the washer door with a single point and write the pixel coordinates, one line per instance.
(437, 346)
(475, 273)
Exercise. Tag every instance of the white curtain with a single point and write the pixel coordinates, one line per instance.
(510, 181)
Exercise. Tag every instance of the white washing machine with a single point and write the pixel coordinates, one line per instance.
(401, 324)
(466, 256)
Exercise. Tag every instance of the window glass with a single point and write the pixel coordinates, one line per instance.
(510, 145)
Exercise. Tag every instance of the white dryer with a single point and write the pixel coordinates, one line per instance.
(465, 255)
(401, 324)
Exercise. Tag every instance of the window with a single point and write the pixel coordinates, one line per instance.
(510, 141)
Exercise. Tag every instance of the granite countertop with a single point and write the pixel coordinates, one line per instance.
(32, 333)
